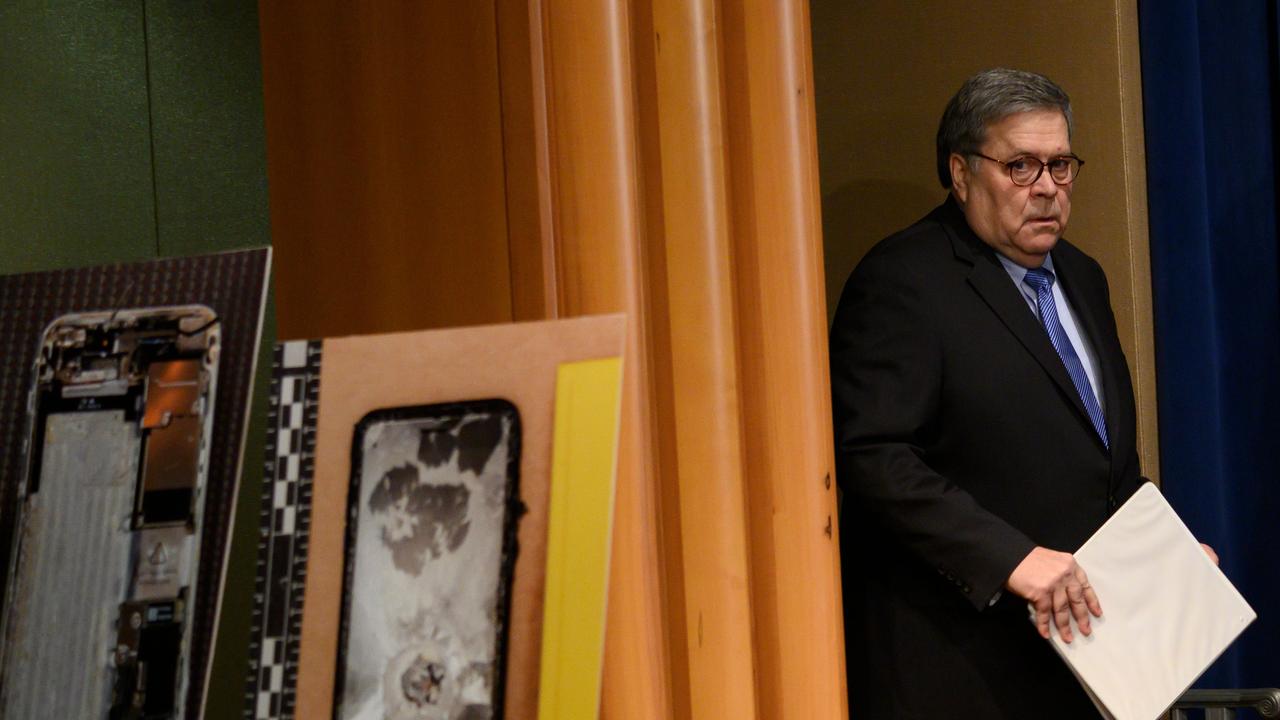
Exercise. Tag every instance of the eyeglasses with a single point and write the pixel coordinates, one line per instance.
(1025, 170)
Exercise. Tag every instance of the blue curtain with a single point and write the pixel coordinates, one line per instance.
(1211, 93)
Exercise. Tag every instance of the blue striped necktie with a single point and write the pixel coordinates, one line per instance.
(1041, 280)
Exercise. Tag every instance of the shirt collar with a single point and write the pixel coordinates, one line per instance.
(1017, 272)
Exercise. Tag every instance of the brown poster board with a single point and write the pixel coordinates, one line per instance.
(355, 376)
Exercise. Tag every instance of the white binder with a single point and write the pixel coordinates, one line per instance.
(1168, 611)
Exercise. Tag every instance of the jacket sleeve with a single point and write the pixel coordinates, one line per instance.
(887, 364)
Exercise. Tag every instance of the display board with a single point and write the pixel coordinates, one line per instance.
(123, 399)
(405, 515)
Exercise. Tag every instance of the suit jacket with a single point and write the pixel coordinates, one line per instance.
(961, 444)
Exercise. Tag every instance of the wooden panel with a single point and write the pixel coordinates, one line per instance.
(600, 268)
(658, 311)
(701, 358)
(877, 129)
(75, 148)
(782, 329)
(385, 161)
(1142, 361)
(527, 162)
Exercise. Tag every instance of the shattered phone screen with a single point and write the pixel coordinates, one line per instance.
(430, 549)
(97, 617)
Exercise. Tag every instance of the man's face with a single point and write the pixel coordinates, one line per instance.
(1022, 223)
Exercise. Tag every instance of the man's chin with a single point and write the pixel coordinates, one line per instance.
(1040, 240)
(1031, 251)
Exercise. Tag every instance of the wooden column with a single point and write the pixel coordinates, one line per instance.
(695, 239)
(683, 168)
(782, 347)
(600, 268)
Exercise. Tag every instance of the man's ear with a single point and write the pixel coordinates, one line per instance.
(960, 176)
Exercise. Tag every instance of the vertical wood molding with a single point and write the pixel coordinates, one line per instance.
(778, 250)
(521, 74)
(695, 238)
(600, 269)
(658, 326)
(683, 190)
(1132, 136)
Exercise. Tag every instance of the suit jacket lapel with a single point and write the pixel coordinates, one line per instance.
(992, 283)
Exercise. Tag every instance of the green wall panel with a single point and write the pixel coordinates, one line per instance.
(207, 126)
(75, 154)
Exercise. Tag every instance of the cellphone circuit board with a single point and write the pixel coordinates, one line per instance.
(100, 588)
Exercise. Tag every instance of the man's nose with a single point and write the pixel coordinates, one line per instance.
(1044, 185)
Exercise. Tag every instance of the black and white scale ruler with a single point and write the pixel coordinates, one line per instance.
(283, 531)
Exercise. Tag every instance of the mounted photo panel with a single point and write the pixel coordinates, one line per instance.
(123, 407)
(403, 539)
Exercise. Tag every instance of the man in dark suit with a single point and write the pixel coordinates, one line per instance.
(984, 425)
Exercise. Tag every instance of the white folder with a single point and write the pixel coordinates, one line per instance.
(1168, 611)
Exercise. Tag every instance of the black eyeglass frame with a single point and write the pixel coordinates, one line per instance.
(1043, 164)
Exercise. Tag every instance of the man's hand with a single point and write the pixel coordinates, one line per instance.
(1058, 588)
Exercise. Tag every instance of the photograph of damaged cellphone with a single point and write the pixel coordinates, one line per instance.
(97, 613)
(430, 549)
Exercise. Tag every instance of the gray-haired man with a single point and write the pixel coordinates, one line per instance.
(984, 425)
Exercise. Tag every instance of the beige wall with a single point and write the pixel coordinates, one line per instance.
(883, 71)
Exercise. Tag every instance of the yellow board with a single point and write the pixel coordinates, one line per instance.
(583, 466)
